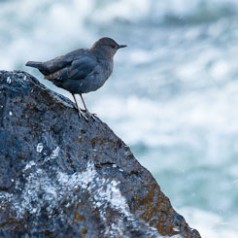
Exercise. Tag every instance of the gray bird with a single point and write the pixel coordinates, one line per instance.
(81, 71)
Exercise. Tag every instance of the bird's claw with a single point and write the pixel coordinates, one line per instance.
(94, 116)
(84, 115)
(87, 115)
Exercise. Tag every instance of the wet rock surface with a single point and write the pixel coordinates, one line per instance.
(63, 176)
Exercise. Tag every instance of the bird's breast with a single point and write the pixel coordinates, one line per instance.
(106, 68)
(103, 72)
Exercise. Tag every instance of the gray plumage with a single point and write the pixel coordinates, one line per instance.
(83, 70)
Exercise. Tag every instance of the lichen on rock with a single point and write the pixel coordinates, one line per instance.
(63, 176)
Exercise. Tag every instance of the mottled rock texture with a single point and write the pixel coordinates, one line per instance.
(63, 176)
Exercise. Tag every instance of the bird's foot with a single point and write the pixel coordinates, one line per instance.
(94, 116)
(75, 106)
(90, 115)
(83, 114)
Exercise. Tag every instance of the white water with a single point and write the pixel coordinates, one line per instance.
(173, 95)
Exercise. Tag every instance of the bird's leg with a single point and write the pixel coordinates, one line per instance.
(81, 113)
(86, 109)
(84, 104)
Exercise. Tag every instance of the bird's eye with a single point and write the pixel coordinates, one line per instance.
(113, 46)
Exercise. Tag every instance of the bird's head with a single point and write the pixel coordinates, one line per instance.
(106, 47)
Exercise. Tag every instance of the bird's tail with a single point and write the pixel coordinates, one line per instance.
(39, 65)
(35, 64)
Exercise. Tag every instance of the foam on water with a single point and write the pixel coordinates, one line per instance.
(173, 94)
(175, 121)
(164, 10)
(210, 224)
(28, 27)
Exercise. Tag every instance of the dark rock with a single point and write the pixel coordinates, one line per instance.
(62, 176)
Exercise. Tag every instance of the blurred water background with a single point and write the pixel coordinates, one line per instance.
(173, 95)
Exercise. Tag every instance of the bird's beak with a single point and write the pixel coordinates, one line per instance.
(122, 46)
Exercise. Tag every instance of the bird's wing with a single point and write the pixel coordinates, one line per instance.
(78, 69)
(82, 67)
(58, 63)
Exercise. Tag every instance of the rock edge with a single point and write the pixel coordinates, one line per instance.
(63, 176)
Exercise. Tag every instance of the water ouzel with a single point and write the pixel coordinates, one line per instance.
(81, 71)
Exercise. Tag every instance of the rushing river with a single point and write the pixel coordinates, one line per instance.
(173, 95)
